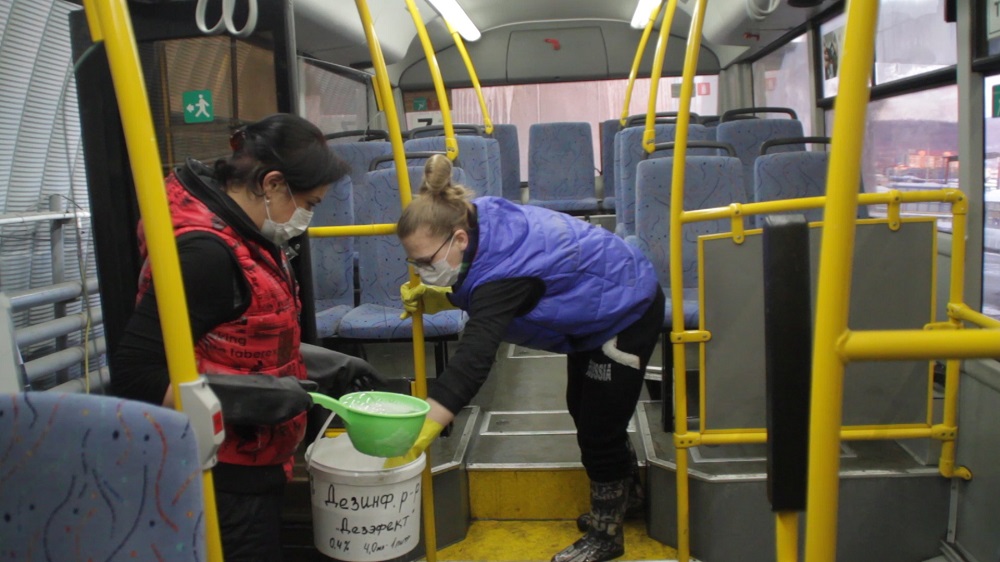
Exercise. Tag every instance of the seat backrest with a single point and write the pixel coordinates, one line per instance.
(359, 156)
(609, 129)
(709, 182)
(382, 264)
(510, 161)
(333, 258)
(478, 156)
(87, 477)
(747, 135)
(791, 175)
(628, 154)
(560, 161)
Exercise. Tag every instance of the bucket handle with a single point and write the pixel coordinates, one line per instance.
(322, 431)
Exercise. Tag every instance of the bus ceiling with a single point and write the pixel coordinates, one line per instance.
(594, 36)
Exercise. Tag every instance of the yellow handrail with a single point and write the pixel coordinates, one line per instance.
(405, 196)
(109, 21)
(646, 31)
(834, 287)
(676, 265)
(450, 144)
(649, 136)
(460, 45)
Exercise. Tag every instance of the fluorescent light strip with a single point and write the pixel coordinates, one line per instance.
(456, 18)
(643, 10)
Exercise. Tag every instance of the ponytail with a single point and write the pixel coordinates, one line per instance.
(442, 206)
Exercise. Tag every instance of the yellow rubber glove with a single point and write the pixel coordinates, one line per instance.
(435, 299)
(428, 433)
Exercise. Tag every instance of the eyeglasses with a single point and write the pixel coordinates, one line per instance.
(428, 262)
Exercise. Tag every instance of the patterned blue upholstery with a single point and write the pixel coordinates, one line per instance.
(478, 156)
(710, 181)
(382, 268)
(609, 129)
(510, 161)
(85, 477)
(790, 175)
(628, 154)
(561, 166)
(333, 259)
(746, 136)
(359, 156)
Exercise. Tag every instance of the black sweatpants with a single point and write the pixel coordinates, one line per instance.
(601, 396)
(249, 499)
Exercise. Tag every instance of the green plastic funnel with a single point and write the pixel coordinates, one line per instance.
(380, 424)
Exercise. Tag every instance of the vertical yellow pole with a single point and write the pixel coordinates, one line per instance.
(450, 144)
(405, 195)
(834, 288)
(646, 32)
(676, 265)
(114, 26)
(946, 463)
(786, 526)
(649, 136)
(460, 45)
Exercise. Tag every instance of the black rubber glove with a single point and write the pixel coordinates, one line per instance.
(255, 400)
(338, 374)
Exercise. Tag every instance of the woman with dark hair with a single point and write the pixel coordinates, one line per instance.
(232, 224)
(544, 280)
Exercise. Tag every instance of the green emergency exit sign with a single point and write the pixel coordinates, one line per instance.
(198, 107)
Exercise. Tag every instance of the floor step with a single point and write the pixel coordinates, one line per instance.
(521, 541)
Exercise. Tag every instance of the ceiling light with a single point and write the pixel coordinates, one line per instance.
(456, 18)
(642, 12)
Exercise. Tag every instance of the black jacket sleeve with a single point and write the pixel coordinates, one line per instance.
(493, 306)
(216, 292)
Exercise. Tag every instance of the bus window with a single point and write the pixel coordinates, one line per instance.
(912, 38)
(333, 102)
(991, 204)
(910, 145)
(781, 79)
(595, 101)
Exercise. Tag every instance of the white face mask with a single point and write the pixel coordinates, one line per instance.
(441, 274)
(281, 232)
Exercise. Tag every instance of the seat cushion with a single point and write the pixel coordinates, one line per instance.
(378, 322)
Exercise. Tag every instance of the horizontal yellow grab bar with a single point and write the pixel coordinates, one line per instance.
(353, 230)
(893, 345)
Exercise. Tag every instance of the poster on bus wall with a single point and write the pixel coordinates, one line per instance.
(832, 47)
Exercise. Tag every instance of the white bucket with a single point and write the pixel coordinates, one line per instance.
(361, 511)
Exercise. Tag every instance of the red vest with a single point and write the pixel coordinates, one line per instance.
(264, 340)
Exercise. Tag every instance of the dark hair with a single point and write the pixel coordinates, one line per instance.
(281, 142)
(441, 206)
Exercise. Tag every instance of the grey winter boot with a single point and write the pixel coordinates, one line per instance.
(605, 537)
(636, 507)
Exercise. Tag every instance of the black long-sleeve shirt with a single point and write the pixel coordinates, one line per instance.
(492, 308)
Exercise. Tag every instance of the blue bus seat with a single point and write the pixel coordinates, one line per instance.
(87, 477)
(510, 161)
(710, 181)
(609, 129)
(791, 175)
(479, 157)
(747, 136)
(628, 154)
(359, 156)
(561, 167)
(333, 259)
(382, 269)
